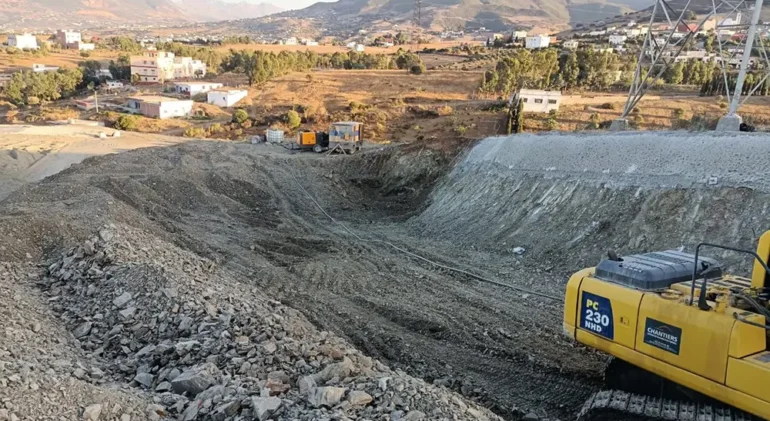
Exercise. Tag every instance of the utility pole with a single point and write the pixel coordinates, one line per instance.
(418, 13)
(732, 121)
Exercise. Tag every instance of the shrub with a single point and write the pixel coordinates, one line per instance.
(239, 116)
(609, 106)
(461, 129)
(356, 107)
(702, 122)
(444, 111)
(216, 128)
(202, 97)
(293, 119)
(315, 114)
(85, 54)
(195, 132)
(417, 69)
(127, 122)
(677, 113)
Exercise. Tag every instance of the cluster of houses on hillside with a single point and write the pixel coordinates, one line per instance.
(63, 39)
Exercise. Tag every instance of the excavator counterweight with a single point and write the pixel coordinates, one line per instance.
(679, 317)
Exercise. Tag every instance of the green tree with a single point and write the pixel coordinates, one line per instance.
(121, 69)
(417, 69)
(127, 122)
(293, 119)
(674, 74)
(91, 71)
(570, 70)
(240, 115)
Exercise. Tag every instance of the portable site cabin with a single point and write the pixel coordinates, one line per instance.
(347, 135)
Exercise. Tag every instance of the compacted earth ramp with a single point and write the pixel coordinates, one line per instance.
(230, 281)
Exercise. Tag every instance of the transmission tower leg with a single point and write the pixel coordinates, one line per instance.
(731, 122)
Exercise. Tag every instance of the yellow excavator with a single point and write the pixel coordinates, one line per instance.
(675, 323)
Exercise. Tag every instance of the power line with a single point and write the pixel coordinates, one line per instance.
(418, 13)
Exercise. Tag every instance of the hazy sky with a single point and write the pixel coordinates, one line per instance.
(286, 4)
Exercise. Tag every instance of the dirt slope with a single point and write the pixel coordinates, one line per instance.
(239, 207)
(232, 224)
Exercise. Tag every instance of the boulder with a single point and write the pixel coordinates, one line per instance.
(359, 397)
(325, 396)
(194, 380)
(263, 408)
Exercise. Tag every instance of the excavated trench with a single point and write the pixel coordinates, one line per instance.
(565, 199)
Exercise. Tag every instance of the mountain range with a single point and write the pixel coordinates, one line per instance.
(58, 13)
(495, 15)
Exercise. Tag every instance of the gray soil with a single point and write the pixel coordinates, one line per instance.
(565, 200)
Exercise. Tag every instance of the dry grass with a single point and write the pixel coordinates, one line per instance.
(655, 112)
(335, 90)
(61, 58)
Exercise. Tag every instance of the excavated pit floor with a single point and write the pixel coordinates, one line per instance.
(243, 207)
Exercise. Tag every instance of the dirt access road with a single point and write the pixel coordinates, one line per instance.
(248, 208)
(31, 153)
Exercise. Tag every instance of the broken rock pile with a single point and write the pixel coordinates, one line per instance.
(202, 344)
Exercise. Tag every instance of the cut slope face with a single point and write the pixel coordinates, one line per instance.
(570, 198)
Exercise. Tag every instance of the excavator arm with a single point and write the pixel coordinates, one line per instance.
(759, 277)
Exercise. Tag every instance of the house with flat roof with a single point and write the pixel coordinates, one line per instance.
(160, 107)
(537, 41)
(194, 88)
(226, 97)
(23, 42)
(537, 101)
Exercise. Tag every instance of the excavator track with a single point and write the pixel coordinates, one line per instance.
(615, 405)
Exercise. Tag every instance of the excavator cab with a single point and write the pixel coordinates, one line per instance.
(679, 317)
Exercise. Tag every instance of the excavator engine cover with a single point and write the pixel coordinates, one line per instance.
(654, 271)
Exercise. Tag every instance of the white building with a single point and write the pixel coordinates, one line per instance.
(67, 39)
(40, 68)
(731, 21)
(114, 84)
(194, 88)
(570, 44)
(617, 39)
(290, 41)
(537, 41)
(360, 48)
(633, 32)
(519, 35)
(24, 42)
(597, 33)
(160, 66)
(226, 97)
(83, 46)
(160, 107)
(188, 68)
(537, 101)
(153, 67)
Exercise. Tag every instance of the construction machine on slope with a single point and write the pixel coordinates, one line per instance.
(689, 342)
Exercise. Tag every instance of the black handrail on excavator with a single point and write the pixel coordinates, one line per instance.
(705, 281)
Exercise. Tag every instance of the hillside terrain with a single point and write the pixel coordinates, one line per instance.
(48, 14)
(497, 15)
